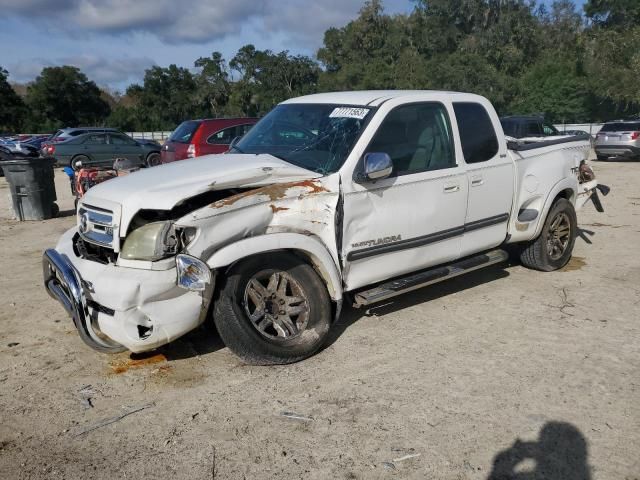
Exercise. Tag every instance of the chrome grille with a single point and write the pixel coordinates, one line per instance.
(95, 225)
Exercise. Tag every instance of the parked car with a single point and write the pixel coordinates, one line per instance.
(101, 148)
(36, 142)
(66, 133)
(521, 126)
(618, 139)
(195, 138)
(7, 154)
(336, 196)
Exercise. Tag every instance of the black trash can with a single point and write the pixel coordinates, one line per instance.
(33, 190)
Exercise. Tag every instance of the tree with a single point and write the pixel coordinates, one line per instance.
(613, 13)
(556, 87)
(12, 108)
(367, 52)
(64, 97)
(612, 62)
(212, 83)
(167, 97)
(267, 78)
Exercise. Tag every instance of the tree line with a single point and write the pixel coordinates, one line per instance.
(524, 56)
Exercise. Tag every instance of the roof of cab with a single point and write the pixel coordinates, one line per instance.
(372, 98)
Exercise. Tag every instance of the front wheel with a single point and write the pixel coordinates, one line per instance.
(273, 310)
(553, 247)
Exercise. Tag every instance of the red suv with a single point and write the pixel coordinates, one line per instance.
(194, 138)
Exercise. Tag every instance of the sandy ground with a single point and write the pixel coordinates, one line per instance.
(526, 374)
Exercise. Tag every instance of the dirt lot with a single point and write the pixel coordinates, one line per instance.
(536, 372)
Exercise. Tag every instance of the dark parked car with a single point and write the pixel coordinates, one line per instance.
(522, 126)
(66, 133)
(195, 138)
(102, 149)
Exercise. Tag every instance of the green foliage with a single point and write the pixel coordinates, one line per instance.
(266, 78)
(556, 88)
(213, 86)
(613, 13)
(525, 56)
(12, 108)
(64, 97)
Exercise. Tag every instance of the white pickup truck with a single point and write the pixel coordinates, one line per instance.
(352, 195)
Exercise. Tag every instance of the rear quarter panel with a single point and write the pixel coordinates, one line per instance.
(541, 175)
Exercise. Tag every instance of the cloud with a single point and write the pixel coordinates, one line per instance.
(102, 71)
(196, 21)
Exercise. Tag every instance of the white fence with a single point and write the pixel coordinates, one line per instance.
(160, 136)
(590, 128)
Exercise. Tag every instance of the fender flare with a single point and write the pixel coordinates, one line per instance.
(309, 246)
(564, 184)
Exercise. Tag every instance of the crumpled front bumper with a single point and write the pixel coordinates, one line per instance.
(137, 308)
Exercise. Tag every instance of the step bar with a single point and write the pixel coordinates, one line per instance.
(418, 280)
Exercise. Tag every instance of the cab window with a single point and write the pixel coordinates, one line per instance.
(417, 137)
(478, 138)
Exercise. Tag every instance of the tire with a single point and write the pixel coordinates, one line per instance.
(544, 253)
(153, 159)
(272, 338)
(82, 158)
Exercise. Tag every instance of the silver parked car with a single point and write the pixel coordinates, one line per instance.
(618, 139)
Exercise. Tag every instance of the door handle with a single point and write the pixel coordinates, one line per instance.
(451, 187)
(477, 181)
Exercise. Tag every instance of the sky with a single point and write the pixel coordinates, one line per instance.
(114, 41)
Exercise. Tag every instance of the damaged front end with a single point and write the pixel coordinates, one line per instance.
(138, 280)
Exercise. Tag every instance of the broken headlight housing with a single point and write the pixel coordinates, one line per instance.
(152, 241)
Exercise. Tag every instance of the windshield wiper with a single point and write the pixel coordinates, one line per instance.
(235, 147)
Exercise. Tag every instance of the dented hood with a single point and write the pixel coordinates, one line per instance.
(165, 186)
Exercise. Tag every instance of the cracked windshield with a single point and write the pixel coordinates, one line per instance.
(317, 137)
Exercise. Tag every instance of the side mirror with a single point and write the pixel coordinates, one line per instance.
(377, 165)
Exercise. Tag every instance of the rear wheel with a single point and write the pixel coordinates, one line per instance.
(273, 310)
(552, 249)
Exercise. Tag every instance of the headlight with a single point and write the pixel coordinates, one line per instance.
(151, 242)
(192, 273)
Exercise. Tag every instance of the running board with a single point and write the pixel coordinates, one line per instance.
(427, 277)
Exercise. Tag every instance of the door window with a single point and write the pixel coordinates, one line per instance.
(116, 139)
(478, 138)
(417, 137)
(95, 139)
(224, 137)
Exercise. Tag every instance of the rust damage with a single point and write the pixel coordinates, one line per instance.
(276, 209)
(274, 192)
(136, 361)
